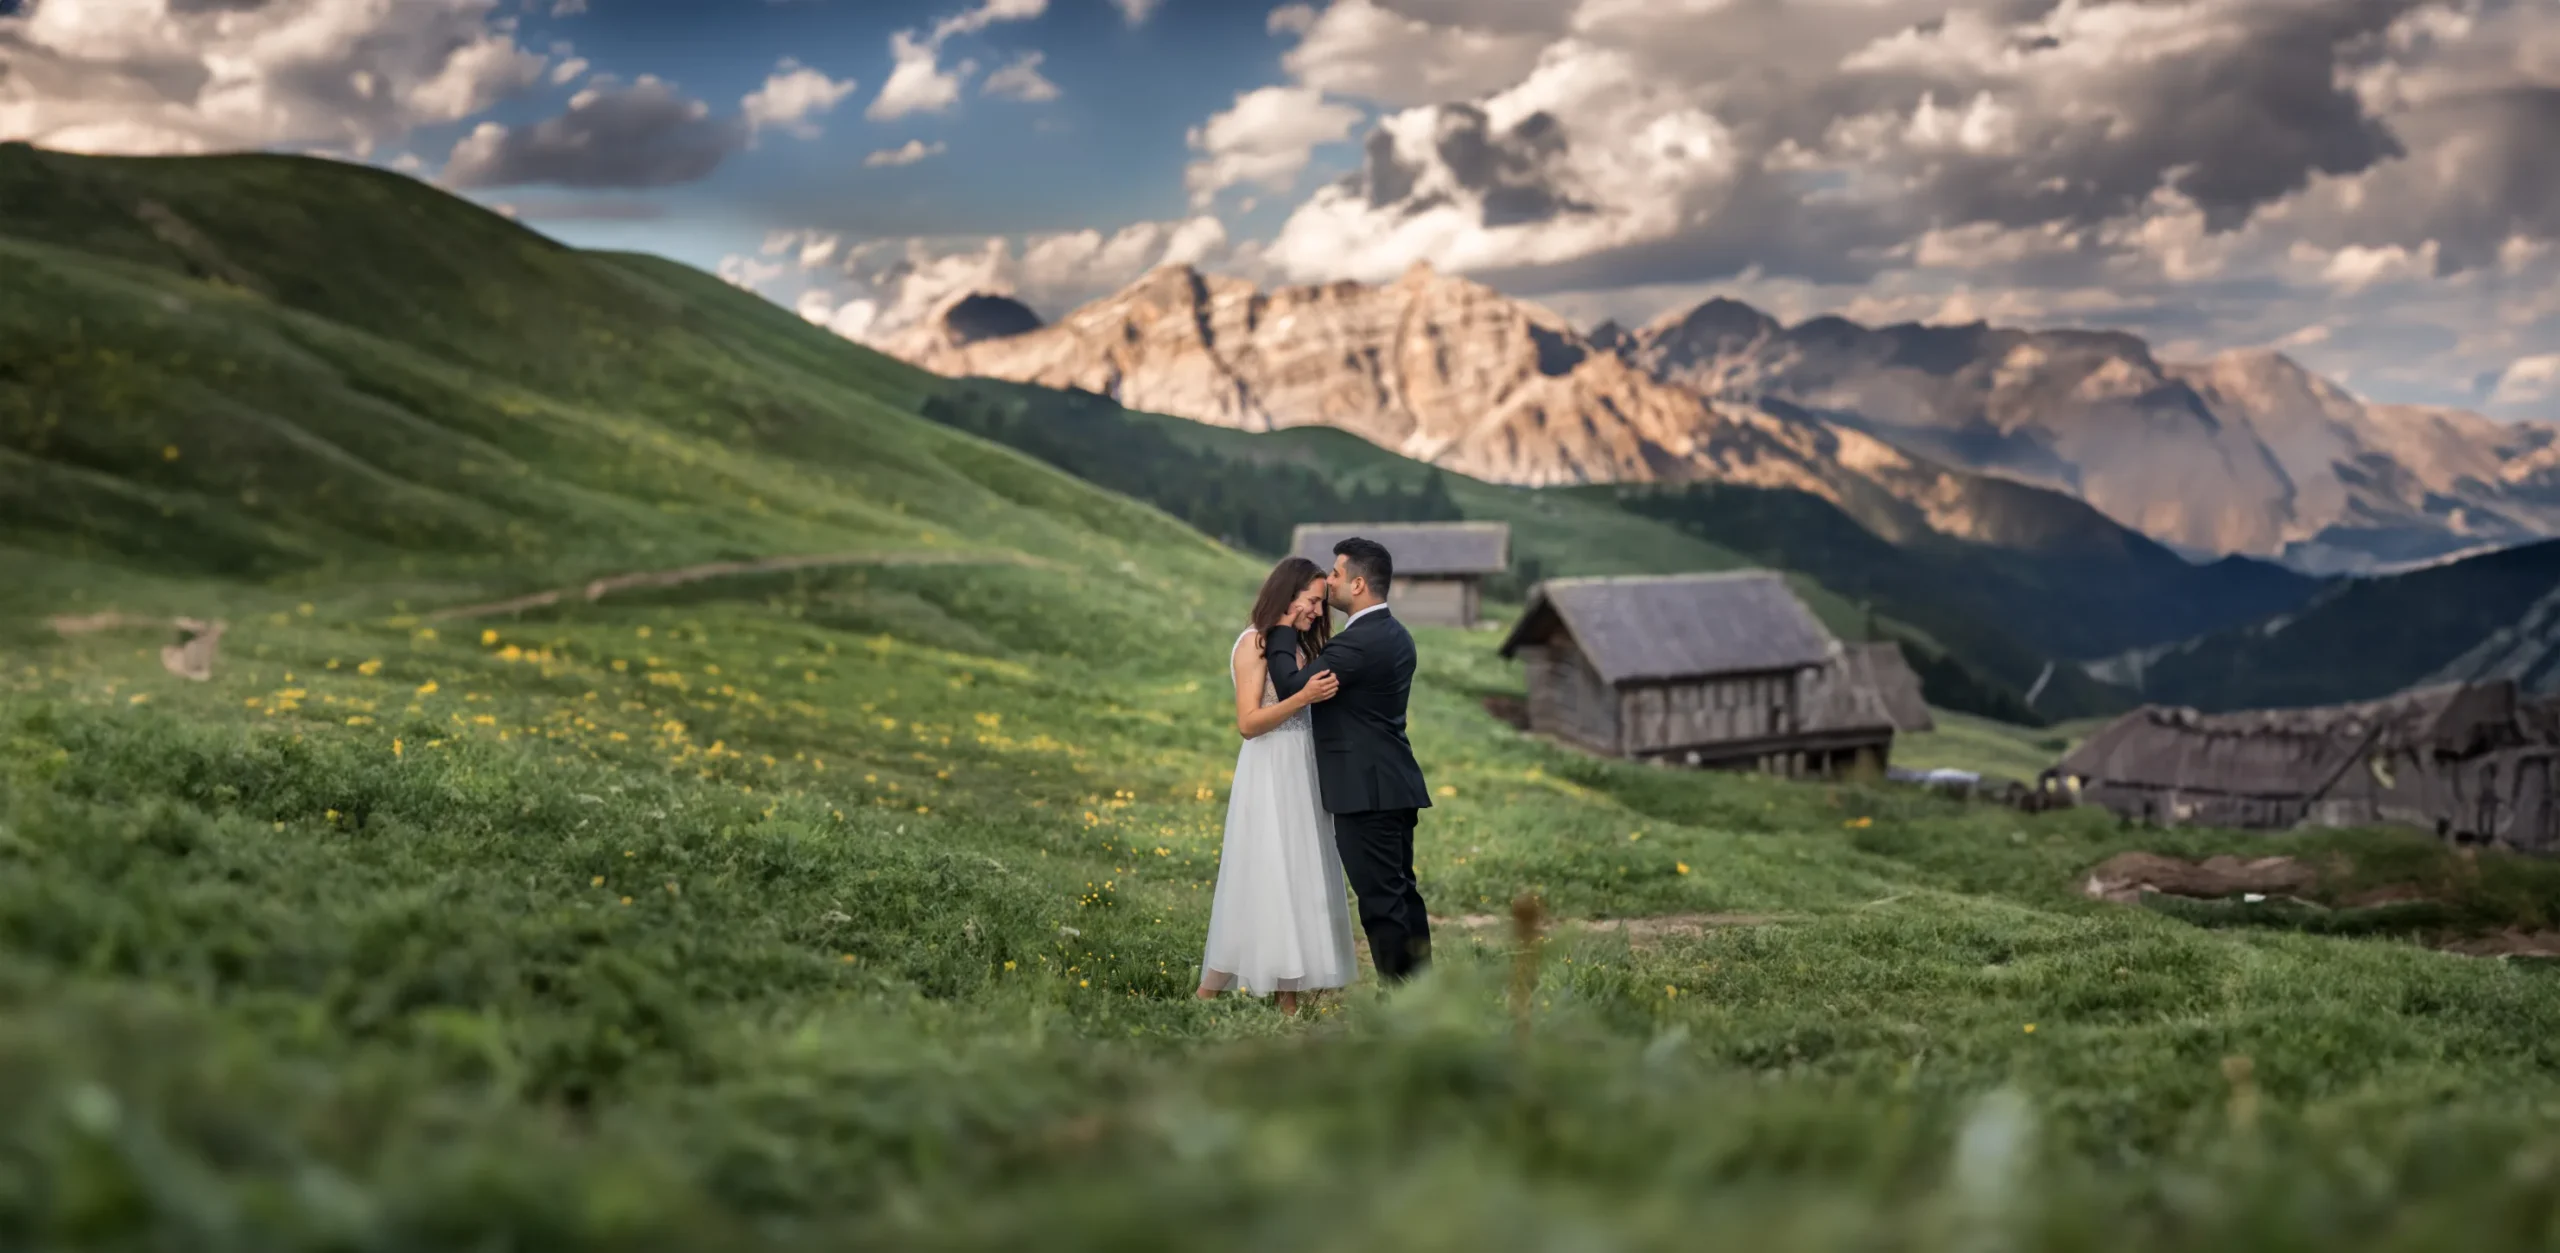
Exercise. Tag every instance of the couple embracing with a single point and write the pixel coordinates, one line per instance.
(1325, 784)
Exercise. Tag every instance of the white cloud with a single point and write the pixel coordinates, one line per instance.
(917, 83)
(986, 15)
(1364, 49)
(1637, 167)
(568, 71)
(1022, 80)
(2356, 267)
(2531, 380)
(177, 76)
(1266, 138)
(791, 96)
(751, 273)
(909, 153)
(1136, 12)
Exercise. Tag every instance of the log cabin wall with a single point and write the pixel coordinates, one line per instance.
(1432, 601)
(1568, 699)
(1699, 713)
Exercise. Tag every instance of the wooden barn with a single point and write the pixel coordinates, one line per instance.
(2476, 763)
(1440, 566)
(1726, 671)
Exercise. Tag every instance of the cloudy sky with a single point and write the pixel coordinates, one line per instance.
(2371, 185)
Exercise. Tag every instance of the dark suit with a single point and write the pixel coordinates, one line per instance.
(1372, 786)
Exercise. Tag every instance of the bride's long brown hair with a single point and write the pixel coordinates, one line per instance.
(1287, 580)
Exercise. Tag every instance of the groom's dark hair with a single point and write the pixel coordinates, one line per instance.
(1368, 559)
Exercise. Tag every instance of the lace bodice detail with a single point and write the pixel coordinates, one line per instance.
(1303, 720)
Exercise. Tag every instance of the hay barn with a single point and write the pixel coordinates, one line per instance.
(1440, 567)
(1728, 671)
(2476, 763)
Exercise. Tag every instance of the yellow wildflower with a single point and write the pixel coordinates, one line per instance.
(370, 668)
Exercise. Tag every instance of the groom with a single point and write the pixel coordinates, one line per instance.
(1371, 784)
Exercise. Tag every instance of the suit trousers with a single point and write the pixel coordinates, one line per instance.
(1377, 856)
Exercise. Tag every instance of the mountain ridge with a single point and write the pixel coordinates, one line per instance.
(2246, 453)
(1451, 372)
(2493, 616)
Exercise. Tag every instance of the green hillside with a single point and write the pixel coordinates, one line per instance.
(2491, 616)
(853, 905)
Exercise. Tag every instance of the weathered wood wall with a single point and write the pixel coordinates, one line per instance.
(1699, 712)
(1436, 601)
(1567, 698)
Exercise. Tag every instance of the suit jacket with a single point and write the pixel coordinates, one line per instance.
(1363, 760)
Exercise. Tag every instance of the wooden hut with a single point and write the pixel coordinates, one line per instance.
(2472, 762)
(1726, 671)
(1440, 566)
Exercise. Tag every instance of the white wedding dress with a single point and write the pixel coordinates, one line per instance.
(1279, 921)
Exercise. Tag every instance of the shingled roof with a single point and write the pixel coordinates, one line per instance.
(1419, 549)
(1678, 626)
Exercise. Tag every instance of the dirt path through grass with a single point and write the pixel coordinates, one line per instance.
(596, 589)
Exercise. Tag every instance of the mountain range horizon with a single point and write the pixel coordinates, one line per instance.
(2244, 452)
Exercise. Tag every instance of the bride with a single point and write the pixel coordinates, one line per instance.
(1278, 922)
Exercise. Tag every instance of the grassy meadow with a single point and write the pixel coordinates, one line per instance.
(857, 905)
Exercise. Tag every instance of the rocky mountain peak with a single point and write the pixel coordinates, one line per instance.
(2246, 453)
